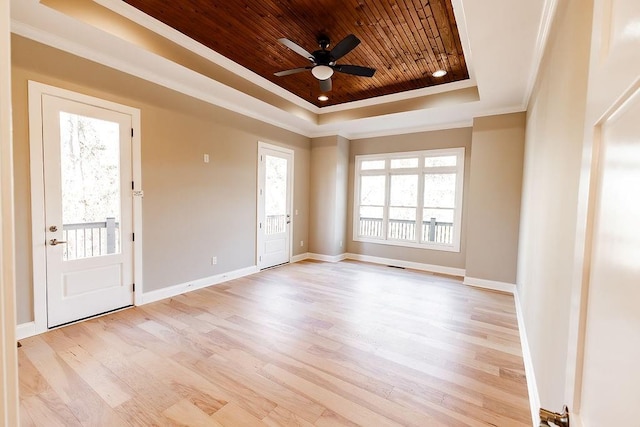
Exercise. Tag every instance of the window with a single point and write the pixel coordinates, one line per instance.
(410, 199)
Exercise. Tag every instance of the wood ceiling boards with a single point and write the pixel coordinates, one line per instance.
(404, 40)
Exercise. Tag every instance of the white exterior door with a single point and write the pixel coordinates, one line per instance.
(275, 167)
(88, 209)
(605, 387)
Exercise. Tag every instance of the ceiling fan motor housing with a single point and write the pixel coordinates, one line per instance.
(324, 42)
(323, 57)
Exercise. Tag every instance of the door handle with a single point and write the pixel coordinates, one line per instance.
(54, 242)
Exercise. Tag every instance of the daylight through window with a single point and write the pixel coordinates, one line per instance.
(410, 199)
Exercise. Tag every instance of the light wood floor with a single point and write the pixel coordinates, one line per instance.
(306, 344)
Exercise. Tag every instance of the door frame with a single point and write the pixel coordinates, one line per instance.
(9, 413)
(38, 226)
(602, 106)
(259, 208)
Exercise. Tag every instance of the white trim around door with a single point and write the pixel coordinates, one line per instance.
(288, 154)
(36, 93)
(9, 412)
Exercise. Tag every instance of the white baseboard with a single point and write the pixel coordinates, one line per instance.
(532, 386)
(327, 258)
(300, 257)
(25, 330)
(172, 291)
(451, 271)
(383, 261)
(490, 284)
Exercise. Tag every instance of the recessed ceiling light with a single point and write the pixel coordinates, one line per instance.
(323, 98)
(439, 73)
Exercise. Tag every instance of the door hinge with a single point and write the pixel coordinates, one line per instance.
(133, 186)
(261, 226)
(133, 237)
(131, 132)
(557, 419)
(133, 287)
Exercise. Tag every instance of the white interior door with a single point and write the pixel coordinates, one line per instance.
(606, 385)
(275, 167)
(88, 209)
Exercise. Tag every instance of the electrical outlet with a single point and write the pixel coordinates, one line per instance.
(340, 243)
(214, 260)
(301, 243)
(206, 158)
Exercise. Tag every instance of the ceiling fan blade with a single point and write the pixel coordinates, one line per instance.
(345, 46)
(292, 71)
(325, 85)
(297, 49)
(356, 70)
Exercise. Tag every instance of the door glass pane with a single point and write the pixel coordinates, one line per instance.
(275, 195)
(90, 172)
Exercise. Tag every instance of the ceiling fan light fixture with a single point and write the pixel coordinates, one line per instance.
(323, 98)
(322, 72)
(439, 73)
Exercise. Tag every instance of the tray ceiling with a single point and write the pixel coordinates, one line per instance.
(404, 40)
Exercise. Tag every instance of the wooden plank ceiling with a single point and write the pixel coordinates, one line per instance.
(404, 40)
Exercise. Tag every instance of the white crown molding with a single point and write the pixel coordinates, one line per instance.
(160, 28)
(548, 15)
(400, 96)
(403, 131)
(199, 86)
(34, 20)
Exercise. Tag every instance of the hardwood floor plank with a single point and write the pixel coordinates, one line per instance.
(310, 343)
(281, 417)
(185, 413)
(233, 415)
(46, 409)
(340, 405)
(31, 382)
(100, 379)
(236, 391)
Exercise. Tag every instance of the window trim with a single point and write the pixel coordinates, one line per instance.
(421, 171)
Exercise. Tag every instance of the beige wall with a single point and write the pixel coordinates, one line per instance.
(191, 210)
(328, 195)
(553, 152)
(342, 190)
(411, 142)
(494, 197)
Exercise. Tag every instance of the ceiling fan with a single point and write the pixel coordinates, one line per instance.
(323, 61)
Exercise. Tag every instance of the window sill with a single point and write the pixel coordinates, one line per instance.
(434, 247)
